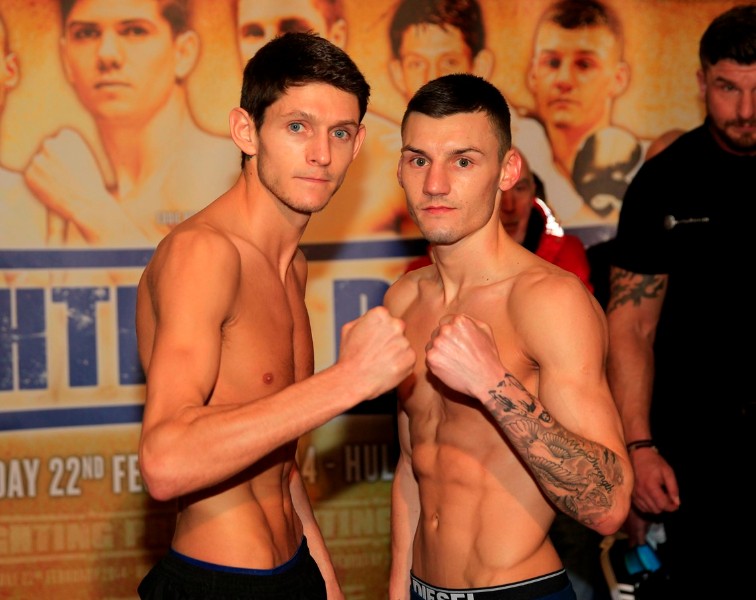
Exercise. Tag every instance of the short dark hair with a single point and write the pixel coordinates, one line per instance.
(574, 14)
(295, 59)
(464, 93)
(176, 12)
(731, 35)
(465, 15)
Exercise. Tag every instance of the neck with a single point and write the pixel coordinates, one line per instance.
(566, 142)
(139, 146)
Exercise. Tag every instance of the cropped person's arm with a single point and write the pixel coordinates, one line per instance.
(633, 312)
(405, 513)
(632, 315)
(312, 532)
(569, 435)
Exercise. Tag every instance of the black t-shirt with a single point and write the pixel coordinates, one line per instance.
(689, 213)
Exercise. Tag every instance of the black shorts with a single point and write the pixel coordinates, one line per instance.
(554, 586)
(179, 577)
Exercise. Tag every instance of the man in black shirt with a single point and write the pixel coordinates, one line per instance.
(678, 306)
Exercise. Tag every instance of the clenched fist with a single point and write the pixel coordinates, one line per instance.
(377, 351)
(462, 353)
(65, 176)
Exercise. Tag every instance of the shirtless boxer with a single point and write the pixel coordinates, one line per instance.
(225, 341)
(507, 417)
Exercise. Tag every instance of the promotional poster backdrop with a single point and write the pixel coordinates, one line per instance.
(75, 520)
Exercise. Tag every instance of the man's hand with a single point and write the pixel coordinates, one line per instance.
(462, 353)
(64, 174)
(377, 351)
(655, 489)
(66, 178)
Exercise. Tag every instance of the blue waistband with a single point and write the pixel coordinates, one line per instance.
(240, 571)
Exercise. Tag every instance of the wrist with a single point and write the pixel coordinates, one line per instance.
(640, 444)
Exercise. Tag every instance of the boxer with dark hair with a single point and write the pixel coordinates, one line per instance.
(229, 360)
(507, 417)
(365, 204)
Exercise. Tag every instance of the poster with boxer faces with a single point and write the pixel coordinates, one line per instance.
(90, 182)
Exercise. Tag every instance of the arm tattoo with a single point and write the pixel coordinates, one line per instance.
(578, 476)
(633, 287)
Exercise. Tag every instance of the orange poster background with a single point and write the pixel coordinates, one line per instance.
(75, 521)
(661, 46)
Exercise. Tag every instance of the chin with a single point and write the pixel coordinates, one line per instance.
(743, 143)
(440, 238)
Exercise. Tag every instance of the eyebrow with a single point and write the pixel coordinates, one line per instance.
(457, 152)
(727, 81)
(408, 148)
(287, 23)
(301, 23)
(129, 21)
(300, 114)
(580, 51)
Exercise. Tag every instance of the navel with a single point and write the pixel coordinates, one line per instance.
(268, 378)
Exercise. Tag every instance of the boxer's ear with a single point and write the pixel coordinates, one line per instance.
(510, 170)
(337, 33)
(186, 53)
(483, 63)
(701, 77)
(530, 77)
(10, 77)
(243, 131)
(621, 79)
(397, 76)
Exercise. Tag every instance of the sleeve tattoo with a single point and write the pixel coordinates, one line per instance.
(577, 475)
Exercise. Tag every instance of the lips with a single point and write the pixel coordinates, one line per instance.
(746, 126)
(437, 210)
(314, 178)
(110, 84)
(562, 103)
